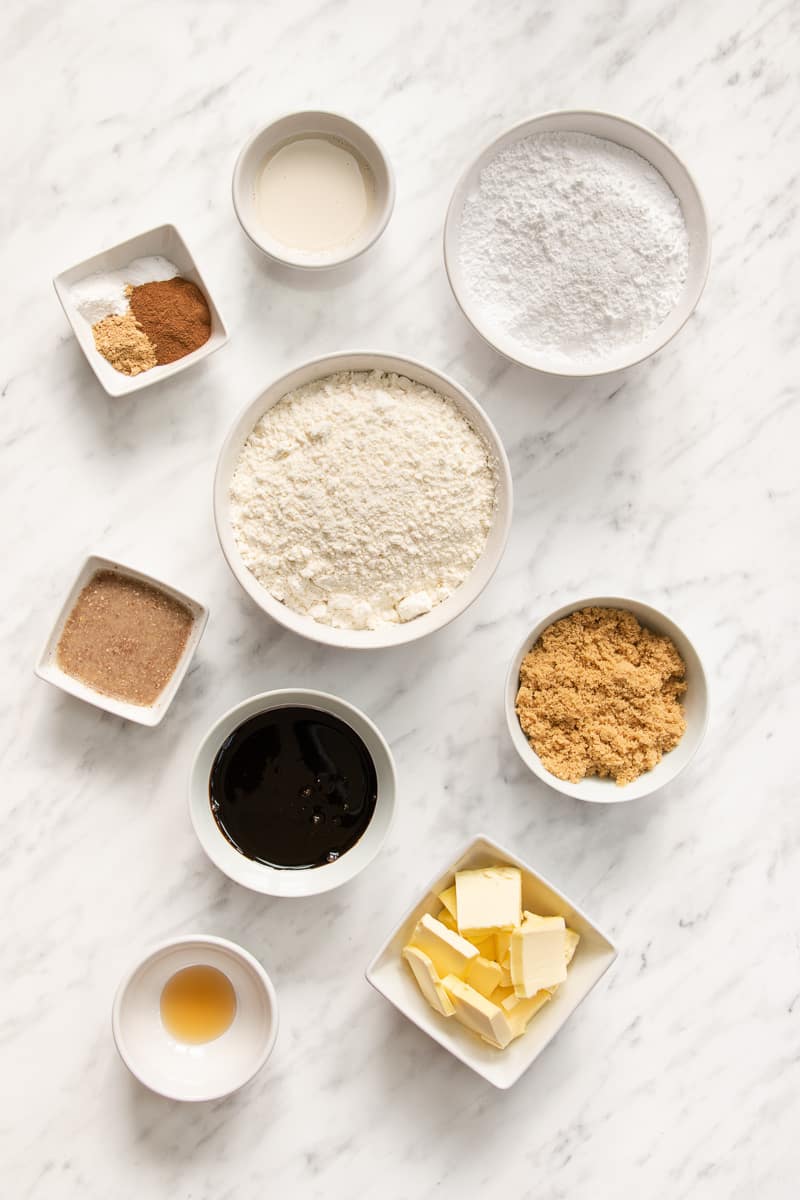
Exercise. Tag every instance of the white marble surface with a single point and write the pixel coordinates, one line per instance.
(675, 482)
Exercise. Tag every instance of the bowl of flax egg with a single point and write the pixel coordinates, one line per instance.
(363, 500)
(606, 700)
(123, 641)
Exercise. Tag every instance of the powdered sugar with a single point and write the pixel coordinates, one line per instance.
(362, 499)
(573, 245)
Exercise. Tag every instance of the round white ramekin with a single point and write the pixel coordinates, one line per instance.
(210, 1070)
(260, 877)
(658, 154)
(304, 124)
(695, 706)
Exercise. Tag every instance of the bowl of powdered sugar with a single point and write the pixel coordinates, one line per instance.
(363, 500)
(577, 243)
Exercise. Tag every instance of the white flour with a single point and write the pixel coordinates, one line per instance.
(361, 499)
(573, 245)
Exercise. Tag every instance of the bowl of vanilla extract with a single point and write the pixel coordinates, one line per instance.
(292, 792)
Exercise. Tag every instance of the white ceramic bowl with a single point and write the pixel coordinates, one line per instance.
(695, 706)
(270, 880)
(390, 635)
(47, 667)
(195, 1072)
(664, 159)
(390, 976)
(166, 241)
(332, 125)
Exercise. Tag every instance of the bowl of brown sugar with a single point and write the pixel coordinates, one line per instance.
(123, 641)
(606, 700)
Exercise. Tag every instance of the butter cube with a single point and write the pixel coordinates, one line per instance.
(448, 899)
(450, 954)
(502, 946)
(484, 975)
(446, 917)
(429, 982)
(571, 944)
(538, 954)
(520, 1009)
(488, 899)
(483, 941)
(477, 1013)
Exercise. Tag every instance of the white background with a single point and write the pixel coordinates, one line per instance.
(675, 483)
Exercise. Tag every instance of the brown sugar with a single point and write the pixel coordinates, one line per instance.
(600, 695)
(173, 314)
(124, 638)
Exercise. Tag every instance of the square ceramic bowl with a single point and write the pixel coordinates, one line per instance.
(390, 976)
(48, 669)
(164, 241)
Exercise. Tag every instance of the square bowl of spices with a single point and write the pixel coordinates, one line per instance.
(123, 641)
(141, 311)
(491, 962)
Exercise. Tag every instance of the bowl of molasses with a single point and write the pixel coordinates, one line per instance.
(292, 792)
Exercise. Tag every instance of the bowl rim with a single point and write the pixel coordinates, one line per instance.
(314, 880)
(305, 626)
(188, 940)
(616, 795)
(456, 201)
(127, 384)
(288, 259)
(503, 855)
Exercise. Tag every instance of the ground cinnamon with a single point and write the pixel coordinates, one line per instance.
(174, 315)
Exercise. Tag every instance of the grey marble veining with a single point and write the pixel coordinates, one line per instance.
(675, 482)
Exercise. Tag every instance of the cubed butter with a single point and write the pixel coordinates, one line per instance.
(538, 954)
(448, 899)
(488, 899)
(446, 917)
(570, 944)
(450, 953)
(484, 975)
(520, 1009)
(477, 1013)
(502, 946)
(429, 982)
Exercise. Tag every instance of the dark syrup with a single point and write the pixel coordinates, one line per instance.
(293, 788)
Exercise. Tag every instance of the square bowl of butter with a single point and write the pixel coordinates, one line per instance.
(491, 962)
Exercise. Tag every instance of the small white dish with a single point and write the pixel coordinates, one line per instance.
(167, 242)
(272, 881)
(388, 635)
(303, 124)
(47, 667)
(390, 976)
(661, 156)
(695, 706)
(197, 1072)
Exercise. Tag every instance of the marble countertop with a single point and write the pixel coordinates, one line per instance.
(675, 482)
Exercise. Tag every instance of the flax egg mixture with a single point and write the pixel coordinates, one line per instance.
(293, 788)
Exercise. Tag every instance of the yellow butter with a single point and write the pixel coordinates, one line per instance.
(538, 954)
(429, 982)
(488, 899)
(450, 953)
(477, 1013)
(484, 975)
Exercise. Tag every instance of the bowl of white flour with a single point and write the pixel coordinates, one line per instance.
(577, 243)
(363, 500)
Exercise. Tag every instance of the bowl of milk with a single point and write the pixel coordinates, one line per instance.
(313, 190)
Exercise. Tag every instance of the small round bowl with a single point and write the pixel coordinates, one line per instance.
(271, 881)
(210, 1070)
(387, 635)
(659, 155)
(332, 125)
(695, 707)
